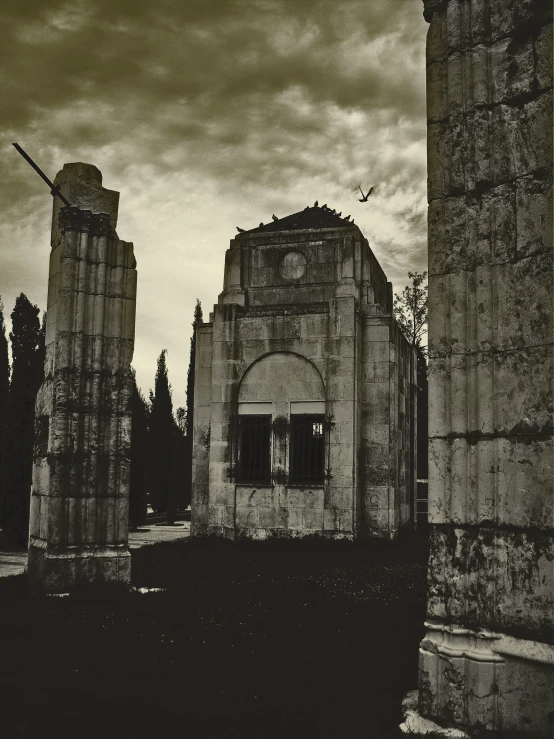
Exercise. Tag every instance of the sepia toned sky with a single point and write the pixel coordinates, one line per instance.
(206, 115)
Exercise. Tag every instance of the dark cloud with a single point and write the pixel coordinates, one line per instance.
(207, 53)
(203, 107)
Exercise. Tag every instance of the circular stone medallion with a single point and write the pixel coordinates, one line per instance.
(292, 265)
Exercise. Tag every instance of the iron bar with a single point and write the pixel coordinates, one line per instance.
(254, 453)
(307, 449)
(54, 189)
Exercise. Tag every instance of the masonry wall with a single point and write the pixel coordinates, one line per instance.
(239, 340)
(388, 429)
(202, 429)
(325, 255)
(403, 426)
(488, 658)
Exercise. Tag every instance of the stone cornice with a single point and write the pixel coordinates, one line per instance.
(272, 310)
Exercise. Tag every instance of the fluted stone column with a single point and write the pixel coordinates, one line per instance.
(79, 502)
(488, 657)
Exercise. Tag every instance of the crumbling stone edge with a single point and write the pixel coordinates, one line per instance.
(416, 725)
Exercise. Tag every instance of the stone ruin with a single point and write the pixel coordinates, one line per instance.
(487, 659)
(79, 500)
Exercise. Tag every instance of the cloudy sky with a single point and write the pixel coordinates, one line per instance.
(207, 115)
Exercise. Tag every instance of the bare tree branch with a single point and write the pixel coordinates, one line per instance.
(410, 309)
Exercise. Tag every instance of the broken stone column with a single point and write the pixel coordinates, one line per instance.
(488, 657)
(79, 501)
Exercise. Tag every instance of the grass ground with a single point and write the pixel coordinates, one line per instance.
(246, 641)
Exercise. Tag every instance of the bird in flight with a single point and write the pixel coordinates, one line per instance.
(240, 230)
(365, 197)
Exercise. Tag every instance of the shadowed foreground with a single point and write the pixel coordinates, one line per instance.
(253, 641)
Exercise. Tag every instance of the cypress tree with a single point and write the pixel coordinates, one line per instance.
(27, 340)
(4, 399)
(189, 415)
(139, 457)
(161, 429)
(189, 423)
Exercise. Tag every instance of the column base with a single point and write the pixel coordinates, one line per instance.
(487, 681)
(60, 571)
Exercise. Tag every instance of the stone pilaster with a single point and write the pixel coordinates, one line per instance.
(488, 657)
(225, 374)
(233, 290)
(79, 502)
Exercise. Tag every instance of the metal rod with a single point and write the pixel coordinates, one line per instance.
(54, 189)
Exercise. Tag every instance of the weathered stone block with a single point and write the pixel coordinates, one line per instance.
(295, 518)
(216, 514)
(497, 412)
(312, 519)
(523, 142)
(462, 153)
(260, 497)
(338, 497)
(534, 215)
(513, 17)
(346, 522)
(493, 578)
(436, 156)
(543, 55)
(330, 519)
(223, 492)
(268, 518)
(512, 69)
(487, 479)
(476, 80)
(313, 499)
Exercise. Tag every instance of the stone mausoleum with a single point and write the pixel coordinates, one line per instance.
(304, 414)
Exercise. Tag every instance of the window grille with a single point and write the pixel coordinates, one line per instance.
(307, 449)
(254, 451)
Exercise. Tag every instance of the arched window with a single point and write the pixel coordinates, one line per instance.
(281, 422)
